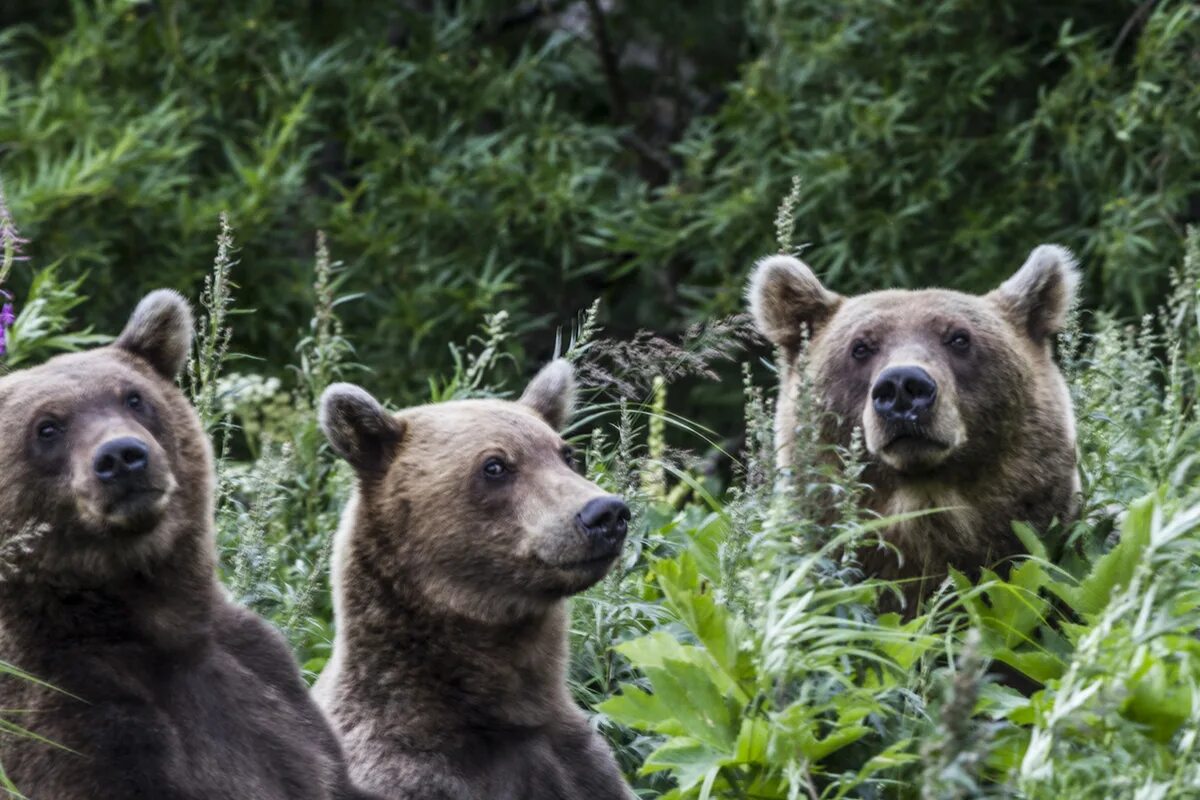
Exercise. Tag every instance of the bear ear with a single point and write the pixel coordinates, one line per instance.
(1039, 296)
(159, 331)
(552, 393)
(358, 428)
(787, 301)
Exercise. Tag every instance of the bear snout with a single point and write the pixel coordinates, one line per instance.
(131, 484)
(604, 521)
(121, 460)
(904, 395)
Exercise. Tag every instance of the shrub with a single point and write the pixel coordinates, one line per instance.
(473, 156)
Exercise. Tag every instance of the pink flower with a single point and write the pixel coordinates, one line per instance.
(7, 318)
(10, 251)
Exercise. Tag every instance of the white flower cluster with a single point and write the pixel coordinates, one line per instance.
(237, 392)
(257, 403)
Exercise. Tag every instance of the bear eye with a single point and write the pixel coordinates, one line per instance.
(569, 457)
(960, 341)
(860, 350)
(49, 430)
(494, 469)
(133, 400)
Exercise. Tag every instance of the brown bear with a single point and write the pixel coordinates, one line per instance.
(961, 405)
(143, 681)
(468, 530)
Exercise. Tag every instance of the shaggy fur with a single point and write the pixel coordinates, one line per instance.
(163, 690)
(999, 444)
(448, 675)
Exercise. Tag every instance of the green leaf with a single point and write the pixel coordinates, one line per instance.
(1158, 700)
(797, 734)
(640, 709)
(689, 761)
(687, 688)
(1042, 667)
(1114, 569)
(722, 634)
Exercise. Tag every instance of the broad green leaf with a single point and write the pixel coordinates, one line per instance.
(686, 686)
(1115, 568)
(722, 634)
(907, 646)
(1040, 666)
(798, 734)
(640, 709)
(689, 761)
(1158, 700)
(752, 742)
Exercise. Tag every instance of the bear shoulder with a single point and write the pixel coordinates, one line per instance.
(258, 645)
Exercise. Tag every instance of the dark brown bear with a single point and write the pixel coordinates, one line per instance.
(468, 530)
(163, 690)
(958, 397)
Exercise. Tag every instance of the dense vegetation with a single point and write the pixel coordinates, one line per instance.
(466, 157)
(484, 170)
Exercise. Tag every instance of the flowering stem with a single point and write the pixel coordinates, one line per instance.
(10, 253)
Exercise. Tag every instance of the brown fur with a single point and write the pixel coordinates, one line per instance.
(163, 689)
(1002, 418)
(448, 675)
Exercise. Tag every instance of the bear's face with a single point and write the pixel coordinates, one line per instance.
(928, 376)
(104, 452)
(479, 501)
(935, 379)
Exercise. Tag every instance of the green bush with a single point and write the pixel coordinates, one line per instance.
(735, 651)
(470, 156)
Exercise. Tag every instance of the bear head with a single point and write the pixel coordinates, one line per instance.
(941, 383)
(478, 504)
(106, 465)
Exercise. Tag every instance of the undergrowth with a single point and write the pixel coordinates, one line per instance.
(735, 651)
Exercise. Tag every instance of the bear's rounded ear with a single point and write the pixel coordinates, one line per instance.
(159, 331)
(358, 428)
(552, 393)
(1039, 296)
(787, 301)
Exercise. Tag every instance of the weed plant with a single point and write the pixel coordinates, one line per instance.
(736, 650)
(468, 156)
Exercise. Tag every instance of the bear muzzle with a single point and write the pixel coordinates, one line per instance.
(604, 521)
(904, 396)
(121, 461)
(601, 525)
(130, 487)
(909, 425)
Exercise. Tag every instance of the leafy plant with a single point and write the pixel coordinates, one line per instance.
(479, 156)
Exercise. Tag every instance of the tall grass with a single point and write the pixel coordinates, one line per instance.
(736, 651)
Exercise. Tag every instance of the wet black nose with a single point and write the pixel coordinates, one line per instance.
(121, 458)
(903, 394)
(604, 518)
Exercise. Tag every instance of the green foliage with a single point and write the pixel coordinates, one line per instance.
(736, 652)
(477, 155)
(42, 327)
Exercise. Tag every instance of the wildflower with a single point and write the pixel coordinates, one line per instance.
(10, 240)
(10, 251)
(7, 318)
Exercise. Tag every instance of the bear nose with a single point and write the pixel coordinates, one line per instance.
(604, 518)
(903, 393)
(120, 458)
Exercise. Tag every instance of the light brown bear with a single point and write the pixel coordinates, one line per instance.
(468, 530)
(162, 688)
(958, 397)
